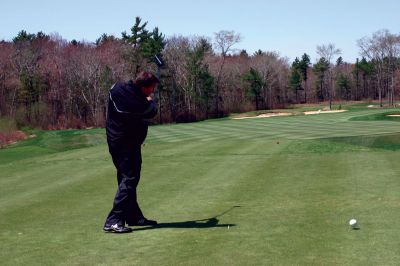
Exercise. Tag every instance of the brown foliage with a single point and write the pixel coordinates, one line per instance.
(50, 83)
(7, 138)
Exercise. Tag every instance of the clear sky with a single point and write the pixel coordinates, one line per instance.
(286, 26)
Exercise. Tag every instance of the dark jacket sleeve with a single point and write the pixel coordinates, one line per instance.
(151, 110)
(126, 101)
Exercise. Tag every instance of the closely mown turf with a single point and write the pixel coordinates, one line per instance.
(378, 116)
(265, 191)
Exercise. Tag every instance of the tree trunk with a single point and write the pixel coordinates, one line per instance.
(379, 91)
(217, 86)
(392, 91)
(206, 105)
(364, 86)
(305, 91)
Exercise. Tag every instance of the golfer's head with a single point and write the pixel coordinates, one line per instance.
(147, 82)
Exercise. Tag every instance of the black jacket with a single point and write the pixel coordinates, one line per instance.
(128, 109)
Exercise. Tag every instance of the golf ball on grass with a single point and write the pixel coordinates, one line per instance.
(353, 223)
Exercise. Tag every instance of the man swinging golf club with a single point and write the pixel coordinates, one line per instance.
(129, 106)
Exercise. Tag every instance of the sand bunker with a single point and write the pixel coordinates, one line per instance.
(264, 115)
(394, 115)
(323, 112)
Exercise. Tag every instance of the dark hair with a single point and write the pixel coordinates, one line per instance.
(145, 79)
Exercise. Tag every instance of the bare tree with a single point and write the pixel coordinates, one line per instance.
(271, 67)
(382, 48)
(8, 80)
(176, 53)
(392, 49)
(224, 41)
(329, 52)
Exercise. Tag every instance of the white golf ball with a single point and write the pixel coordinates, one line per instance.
(353, 222)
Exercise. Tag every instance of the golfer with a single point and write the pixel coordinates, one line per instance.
(129, 107)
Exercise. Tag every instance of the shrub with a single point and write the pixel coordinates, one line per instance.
(9, 133)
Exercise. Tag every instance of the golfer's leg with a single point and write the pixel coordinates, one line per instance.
(134, 213)
(126, 188)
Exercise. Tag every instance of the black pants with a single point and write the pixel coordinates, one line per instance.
(128, 161)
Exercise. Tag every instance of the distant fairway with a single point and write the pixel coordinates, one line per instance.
(265, 191)
(292, 127)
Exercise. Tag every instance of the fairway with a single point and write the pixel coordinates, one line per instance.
(265, 191)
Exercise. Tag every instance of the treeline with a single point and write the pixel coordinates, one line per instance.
(375, 77)
(48, 82)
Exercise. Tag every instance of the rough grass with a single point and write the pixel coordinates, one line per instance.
(273, 191)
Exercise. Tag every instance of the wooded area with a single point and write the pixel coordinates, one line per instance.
(48, 82)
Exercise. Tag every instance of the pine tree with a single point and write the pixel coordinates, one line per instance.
(366, 69)
(320, 69)
(145, 44)
(254, 82)
(303, 68)
(343, 86)
(295, 77)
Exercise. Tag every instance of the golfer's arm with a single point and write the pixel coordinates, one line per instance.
(151, 110)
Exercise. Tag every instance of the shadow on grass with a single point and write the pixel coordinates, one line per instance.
(203, 223)
(206, 223)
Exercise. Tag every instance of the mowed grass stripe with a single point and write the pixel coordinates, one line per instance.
(198, 132)
(300, 127)
(294, 206)
(52, 172)
(209, 130)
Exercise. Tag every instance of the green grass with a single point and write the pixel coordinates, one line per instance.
(285, 186)
(378, 116)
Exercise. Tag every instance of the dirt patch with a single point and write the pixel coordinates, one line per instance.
(265, 115)
(323, 112)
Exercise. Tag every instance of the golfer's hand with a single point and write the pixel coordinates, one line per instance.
(149, 98)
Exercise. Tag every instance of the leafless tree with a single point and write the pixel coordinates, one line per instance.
(224, 41)
(8, 80)
(272, 70)
(329, 52)
(382, 48)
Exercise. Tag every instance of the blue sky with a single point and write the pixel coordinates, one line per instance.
(286, 26)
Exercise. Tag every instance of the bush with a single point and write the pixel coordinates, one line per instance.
(9, 133)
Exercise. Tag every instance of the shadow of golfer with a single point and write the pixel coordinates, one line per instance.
(209, 223)
(203, 223)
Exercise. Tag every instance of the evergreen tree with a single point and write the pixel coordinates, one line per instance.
(254, 81)
(366, 69)
(23, 36)
(244, 53)
(145, 44)
(343, 86)
(153, 45)
(139, 33)
(356, 73)
(104, 38)
(295, 77)
(339, 61)
(200, 79)
(303, 68)
(320, 69)
(258, 52)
